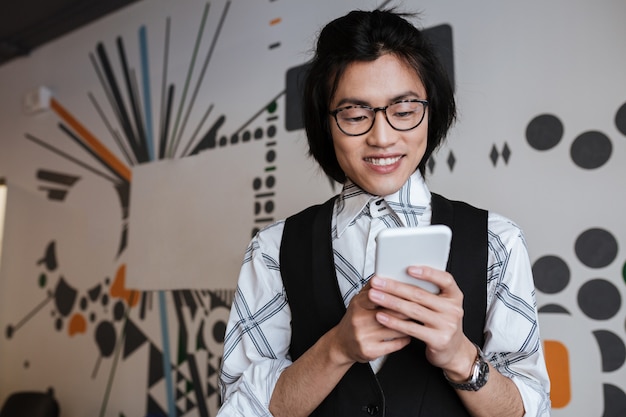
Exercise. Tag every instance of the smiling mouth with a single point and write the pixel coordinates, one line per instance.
(383, 161)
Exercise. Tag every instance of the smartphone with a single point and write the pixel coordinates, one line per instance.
(400, 247)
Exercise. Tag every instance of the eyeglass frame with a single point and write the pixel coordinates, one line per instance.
(334, 113)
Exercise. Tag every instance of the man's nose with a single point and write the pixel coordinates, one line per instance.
(381, 135)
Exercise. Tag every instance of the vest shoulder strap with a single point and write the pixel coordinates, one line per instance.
(308, 271)
(468, 258)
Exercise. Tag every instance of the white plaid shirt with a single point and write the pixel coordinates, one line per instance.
(256, 346)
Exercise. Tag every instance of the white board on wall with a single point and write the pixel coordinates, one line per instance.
(186, 229)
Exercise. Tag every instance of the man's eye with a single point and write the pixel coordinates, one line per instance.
(354, 115)
(403, 114)
(355, 119)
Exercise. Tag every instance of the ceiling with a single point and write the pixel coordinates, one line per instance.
(28, 24)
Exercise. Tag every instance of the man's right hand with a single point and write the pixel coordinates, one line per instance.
(359, 337)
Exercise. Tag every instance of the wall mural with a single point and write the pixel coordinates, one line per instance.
(187, 385)
(176, 335)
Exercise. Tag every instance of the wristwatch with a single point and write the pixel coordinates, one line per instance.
(478, 377)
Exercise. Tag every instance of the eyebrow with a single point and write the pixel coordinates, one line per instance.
(359, 102)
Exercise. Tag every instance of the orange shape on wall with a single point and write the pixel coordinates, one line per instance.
(77, 324)
(118, 289)
(557, 362)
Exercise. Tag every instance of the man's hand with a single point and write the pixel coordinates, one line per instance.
(360, 336)
(436, 319)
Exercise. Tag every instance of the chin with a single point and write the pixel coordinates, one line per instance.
(385, 190)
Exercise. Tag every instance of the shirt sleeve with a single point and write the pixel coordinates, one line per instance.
(512, 342)
(258, 333)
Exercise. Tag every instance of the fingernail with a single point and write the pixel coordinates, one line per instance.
(376, 295)
(416, 270)
(378, 282)
(382, 317)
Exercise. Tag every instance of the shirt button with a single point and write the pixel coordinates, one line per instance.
(378, 208)
(372, 409)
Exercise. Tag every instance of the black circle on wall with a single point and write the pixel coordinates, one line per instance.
(544, 132)
(105, 338)
(596, 248)
(599, 299)
(591, 150)
(551, 274)
(118, 310)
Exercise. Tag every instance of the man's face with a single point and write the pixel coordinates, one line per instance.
(381, 160)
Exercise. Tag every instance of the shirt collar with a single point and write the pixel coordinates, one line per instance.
(408, 203)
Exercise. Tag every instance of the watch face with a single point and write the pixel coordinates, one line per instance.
(483, 374)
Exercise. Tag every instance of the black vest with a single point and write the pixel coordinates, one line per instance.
(407, 384)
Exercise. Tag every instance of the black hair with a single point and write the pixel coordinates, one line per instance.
(362, 36)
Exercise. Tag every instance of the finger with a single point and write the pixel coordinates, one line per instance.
(442, 279)
(449, 289)
(416, 305)
(369, 340)
(386, 334)
(399, 290)
(383, 347)
(409, 327)
(395, 344)
(396, 314)
(401, 308)
(433, 326)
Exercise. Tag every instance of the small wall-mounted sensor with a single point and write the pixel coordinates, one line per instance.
(37, 100)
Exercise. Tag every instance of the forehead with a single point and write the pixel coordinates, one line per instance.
(384, 79)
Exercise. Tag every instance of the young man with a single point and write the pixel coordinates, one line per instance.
(313, 331)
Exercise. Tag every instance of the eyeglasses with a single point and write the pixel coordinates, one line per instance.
(402, 116)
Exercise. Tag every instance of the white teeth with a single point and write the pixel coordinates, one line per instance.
(383, 161)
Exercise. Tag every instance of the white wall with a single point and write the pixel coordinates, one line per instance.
(69, 321)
